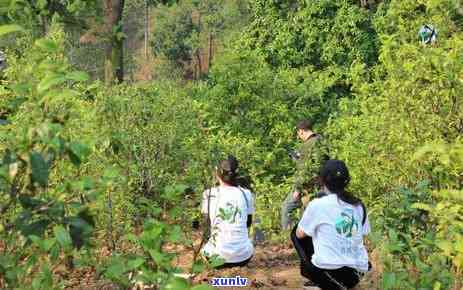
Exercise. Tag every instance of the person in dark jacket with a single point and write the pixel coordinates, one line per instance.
(312, 153)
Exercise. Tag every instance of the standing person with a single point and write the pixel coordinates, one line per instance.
(228, 210)
(311, 155)
(329, 237)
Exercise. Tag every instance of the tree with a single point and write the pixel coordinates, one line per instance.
(185, 33)
(175, 35)
(114, 56)
(38, 15)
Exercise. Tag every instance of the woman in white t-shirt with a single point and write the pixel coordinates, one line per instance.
(329, 237)
(228, 209)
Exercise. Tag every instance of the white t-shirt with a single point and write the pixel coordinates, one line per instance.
(337, 233)
(228, 209)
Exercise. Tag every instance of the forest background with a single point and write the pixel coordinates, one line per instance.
(113, 114)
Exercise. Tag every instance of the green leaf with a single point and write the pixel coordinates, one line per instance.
(131, 238)
(47, 45)
(216, 261)
(177, 283)
(42, 4)
(44, 244)
(158, 257)
(422, 206)
(175, 234)
(173, 192)
(120, 36)
(28, 202)
(78, 76)
(116, 268)
(63, 237)
(5, 29)
(135, 263)
(36, 228)
(78, 152)
(446, 247)
(389, 281)
(40, 169)
(54, 252)
(50, 81)
(198, 267)
(47, 244)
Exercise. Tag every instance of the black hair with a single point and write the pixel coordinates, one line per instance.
(304, 125)
(244, 181)
(335, 176)
(227, 170)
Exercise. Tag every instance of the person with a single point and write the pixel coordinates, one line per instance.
(329, 237)
(228, 210)
(427, 34)
(2, 61)
(311, 155)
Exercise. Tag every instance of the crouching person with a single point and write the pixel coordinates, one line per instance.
(329, 237)
(228, 210)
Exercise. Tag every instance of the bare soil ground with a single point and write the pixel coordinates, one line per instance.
(277, 267)
(272, 267)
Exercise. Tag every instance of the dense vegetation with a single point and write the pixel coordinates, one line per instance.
(115, 158)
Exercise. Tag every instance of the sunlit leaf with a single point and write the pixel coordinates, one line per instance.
(62, 237)
(135, 263)
(49, 81)
(78, 76)
(47, 45)
(177, 283)
(5, 29)
(78, 152)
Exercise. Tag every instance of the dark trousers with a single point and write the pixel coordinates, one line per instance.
(232, 265)
(337, 279)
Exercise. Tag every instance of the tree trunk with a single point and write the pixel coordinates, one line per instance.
(209, 55)
(198, 59)
(114, 56)
(147, 15)
(197, 51)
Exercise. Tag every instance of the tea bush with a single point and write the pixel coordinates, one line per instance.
(407, 102)
(88, 169)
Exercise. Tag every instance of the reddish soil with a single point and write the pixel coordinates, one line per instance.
(272, 267)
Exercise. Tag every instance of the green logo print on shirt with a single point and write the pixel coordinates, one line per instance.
(229, 213)
(346, 224)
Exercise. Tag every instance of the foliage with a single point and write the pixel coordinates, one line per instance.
(408, 101)
(38, 15)
(424, 247)
(50, 148)
(174, 33)
(312, 33)
(43, 210)
(186, 30)
(140, 155)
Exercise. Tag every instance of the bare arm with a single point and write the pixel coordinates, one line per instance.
(300, 233)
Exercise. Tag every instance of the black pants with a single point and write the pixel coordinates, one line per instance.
(232, 265)
(337, 279)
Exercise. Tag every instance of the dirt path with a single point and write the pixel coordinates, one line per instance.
(274, 267)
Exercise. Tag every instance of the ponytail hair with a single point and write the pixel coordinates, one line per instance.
(227, 170)
(335, 176)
